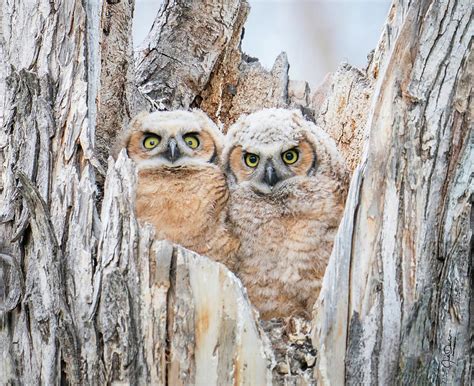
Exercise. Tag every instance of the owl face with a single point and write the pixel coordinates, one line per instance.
(268, 167)
(173, 139)
(268, 150)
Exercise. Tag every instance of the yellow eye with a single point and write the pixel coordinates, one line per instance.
(191, 140)
(251, 160)
(290, 156)
(151, 141)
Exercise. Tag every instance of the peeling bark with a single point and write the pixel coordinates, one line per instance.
(116, 73)
(400, 312)
(87, 296)
(178, 56)
(46, 209)
(341, 108)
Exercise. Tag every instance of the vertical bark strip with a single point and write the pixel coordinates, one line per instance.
(49, 131)
(115, 107)
(404, 264)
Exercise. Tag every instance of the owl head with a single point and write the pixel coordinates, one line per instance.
(267, 150)
(173, 139)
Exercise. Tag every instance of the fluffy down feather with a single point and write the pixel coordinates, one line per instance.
(184, 194)
(286, 231)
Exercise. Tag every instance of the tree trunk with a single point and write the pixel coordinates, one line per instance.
(396, 304)
(87, 296)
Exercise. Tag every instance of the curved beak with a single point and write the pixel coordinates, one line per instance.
(271, 176)
(173, 153)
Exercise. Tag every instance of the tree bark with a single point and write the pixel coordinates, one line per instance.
(87, 296)
(396, 302)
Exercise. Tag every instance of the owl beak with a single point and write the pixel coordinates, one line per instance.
(172, 153)
(271, 177)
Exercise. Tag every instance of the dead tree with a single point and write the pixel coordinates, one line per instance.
(87, 296)
(396, 304)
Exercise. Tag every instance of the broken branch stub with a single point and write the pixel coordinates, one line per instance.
(175, 62)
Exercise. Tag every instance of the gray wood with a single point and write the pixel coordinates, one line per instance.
(88, 296)
(186, 42)
(117, 88)
(395, 305)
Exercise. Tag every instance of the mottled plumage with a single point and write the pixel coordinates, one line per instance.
(285, 210)
(181, 190)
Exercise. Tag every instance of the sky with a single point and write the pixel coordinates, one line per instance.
(317, 35)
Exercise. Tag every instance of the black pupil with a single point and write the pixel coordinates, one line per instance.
(252, 159)
(190, 141)
(289, 156)
(152, 142)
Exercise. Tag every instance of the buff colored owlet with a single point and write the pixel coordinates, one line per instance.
(288, 186)
(181, 190)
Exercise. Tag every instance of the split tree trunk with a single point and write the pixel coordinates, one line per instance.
(396, 303)
(87, 295)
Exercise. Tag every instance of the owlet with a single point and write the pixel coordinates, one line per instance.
(181, 189)
(288, 185)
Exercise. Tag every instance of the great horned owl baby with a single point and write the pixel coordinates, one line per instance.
(288, 186)
(181, 190)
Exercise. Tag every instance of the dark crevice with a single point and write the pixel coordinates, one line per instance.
(170, 302)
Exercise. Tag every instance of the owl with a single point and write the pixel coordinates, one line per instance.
(181, 190)
(288, 185)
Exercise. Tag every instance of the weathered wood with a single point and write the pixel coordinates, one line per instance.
(341, 108)
(11, 283)
(103, 302)
(3, 71)
(181, 51)
(258, 88)
(395, 307)
(49, 129)
(165, 314)
(92, 298)
(116, 74)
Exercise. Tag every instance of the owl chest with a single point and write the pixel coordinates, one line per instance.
(172, 207)
(277, 234)
(180, 209)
